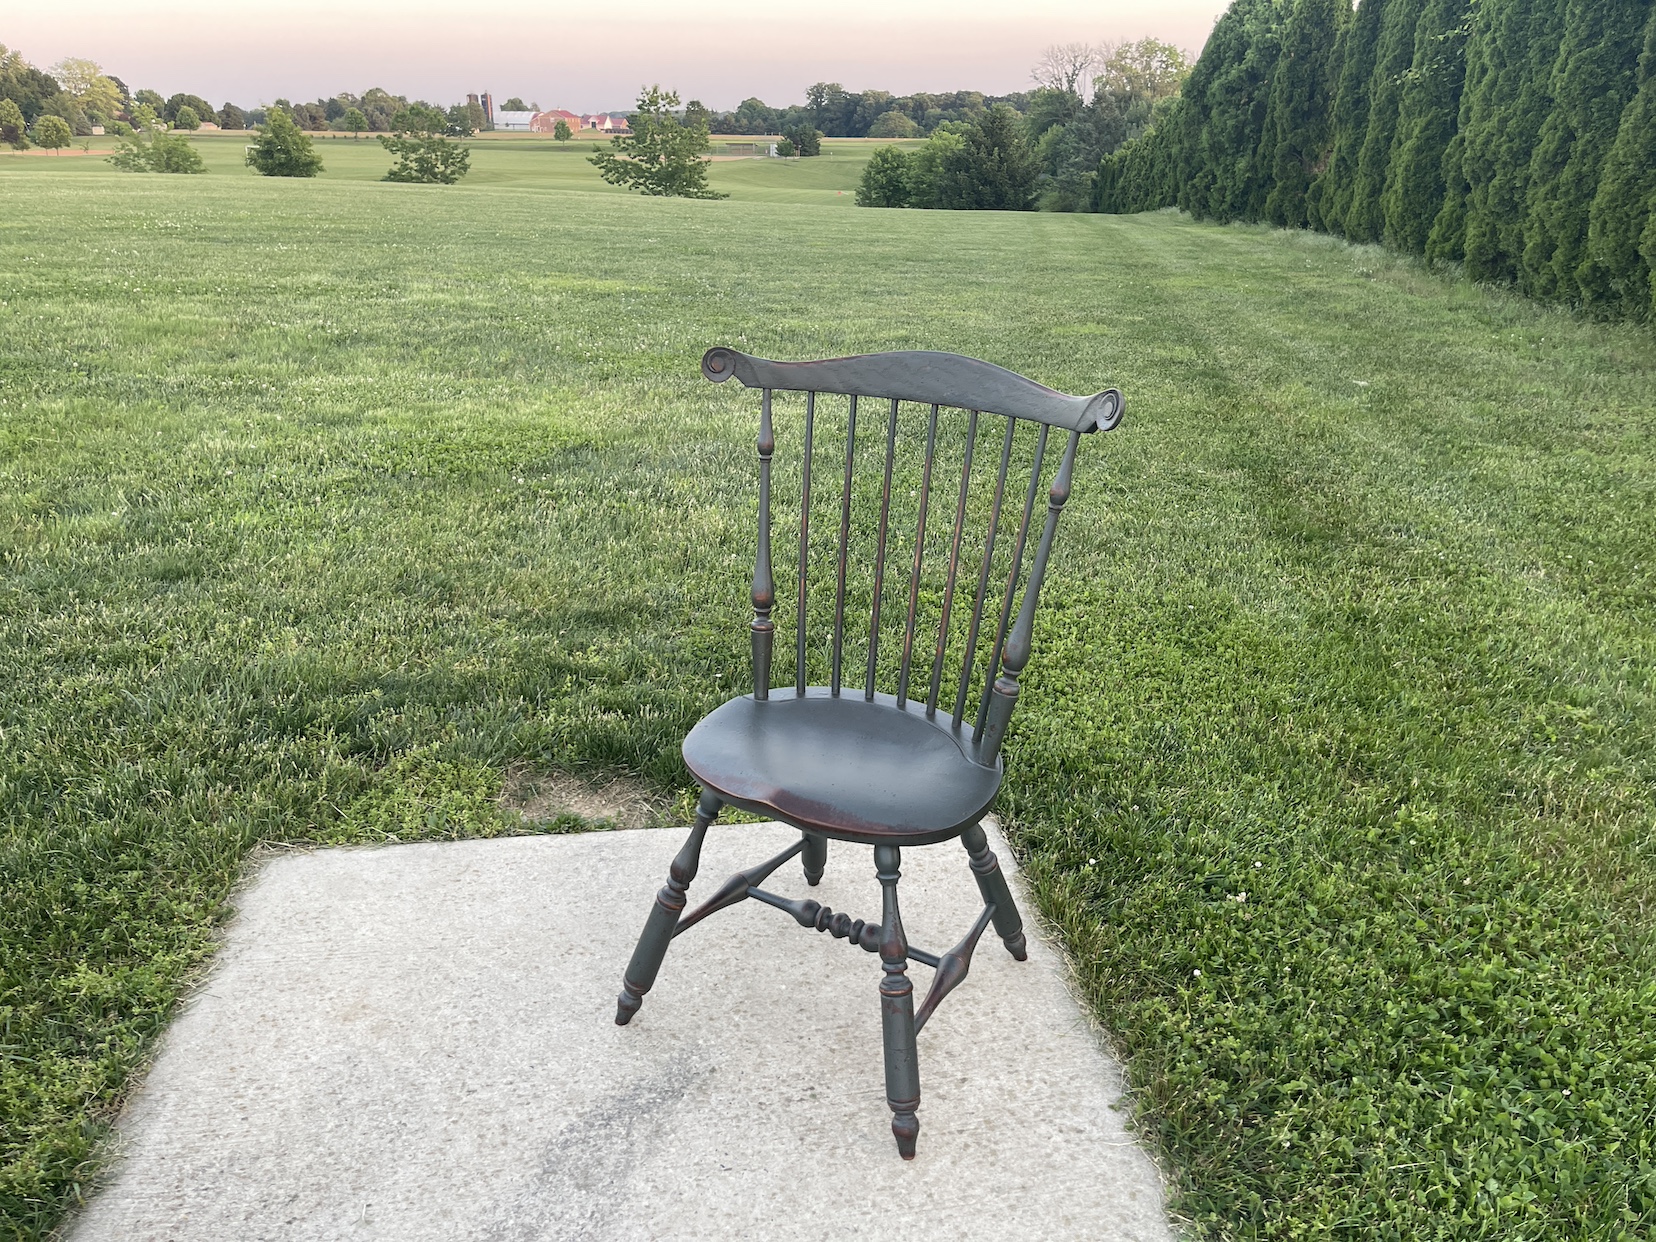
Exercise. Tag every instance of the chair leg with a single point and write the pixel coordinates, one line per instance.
(815, 857)
(664, 915)
(902, 1061)
(991, 881)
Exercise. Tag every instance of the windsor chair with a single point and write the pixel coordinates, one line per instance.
(875, 768)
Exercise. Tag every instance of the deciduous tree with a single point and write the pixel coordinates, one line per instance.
(561, 130)
(661, 157)
(52, 133)
(13, 130)
(281, 150)
(1065, 67)
(86, 83)
(425, 154)
(187, 118)
(885, 179)
(157, 152)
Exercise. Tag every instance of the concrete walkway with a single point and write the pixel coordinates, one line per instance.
(417, 1042)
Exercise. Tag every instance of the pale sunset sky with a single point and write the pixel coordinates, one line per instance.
(719, 51)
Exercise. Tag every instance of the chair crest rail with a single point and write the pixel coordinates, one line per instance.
(928, 377)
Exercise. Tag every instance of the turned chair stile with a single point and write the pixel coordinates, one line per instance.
(878, 769)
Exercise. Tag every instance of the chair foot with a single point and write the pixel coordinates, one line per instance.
(991, 881)
(815, 858)
(664, 915)
(906, 1126)
(902, 1060)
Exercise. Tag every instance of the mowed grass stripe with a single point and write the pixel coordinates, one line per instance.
(322, 505)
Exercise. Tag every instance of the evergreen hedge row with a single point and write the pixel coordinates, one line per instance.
(1515, 136)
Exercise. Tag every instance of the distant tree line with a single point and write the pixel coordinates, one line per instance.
(838, 113)
(1045, 151)
(1517, 137)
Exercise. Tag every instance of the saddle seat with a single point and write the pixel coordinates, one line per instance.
(845, 766)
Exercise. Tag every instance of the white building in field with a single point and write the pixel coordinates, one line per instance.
(513, 120)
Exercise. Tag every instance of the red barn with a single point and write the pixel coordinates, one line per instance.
(546, 122)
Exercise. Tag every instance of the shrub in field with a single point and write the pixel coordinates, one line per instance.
(661, 157)
(428, 159)
(281, 150)
(424, 153)
(52, 132)
(158, 153)
(786, 149)
(12, 129)
(885, 179)
(187, 118)
(925, 167)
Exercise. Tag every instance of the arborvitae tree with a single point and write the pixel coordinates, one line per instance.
(1647, 248)
(1225, 145)
(1428, 110)
(1510, 55)
(1330, 195)
(1615, 278)
(1364, 218)
(1302, 91)
(1186, 134)
(1591, 85)
(1447, 240)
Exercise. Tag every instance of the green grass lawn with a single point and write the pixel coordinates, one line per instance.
(498, 159)
(324, 504)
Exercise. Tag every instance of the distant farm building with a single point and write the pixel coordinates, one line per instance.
(547, 122)
(513, 120)
(605, 122)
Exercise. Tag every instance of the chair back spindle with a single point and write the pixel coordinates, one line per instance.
(844, 546)
(804, 543)
(764, 584)
(983, 579)
(919, 556)
(954, 562)
(880, 554)
(940, 382)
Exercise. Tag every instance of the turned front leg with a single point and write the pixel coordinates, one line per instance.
(902, 1061)
(664, 915)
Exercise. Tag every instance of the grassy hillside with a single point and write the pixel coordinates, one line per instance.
(323, 504)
